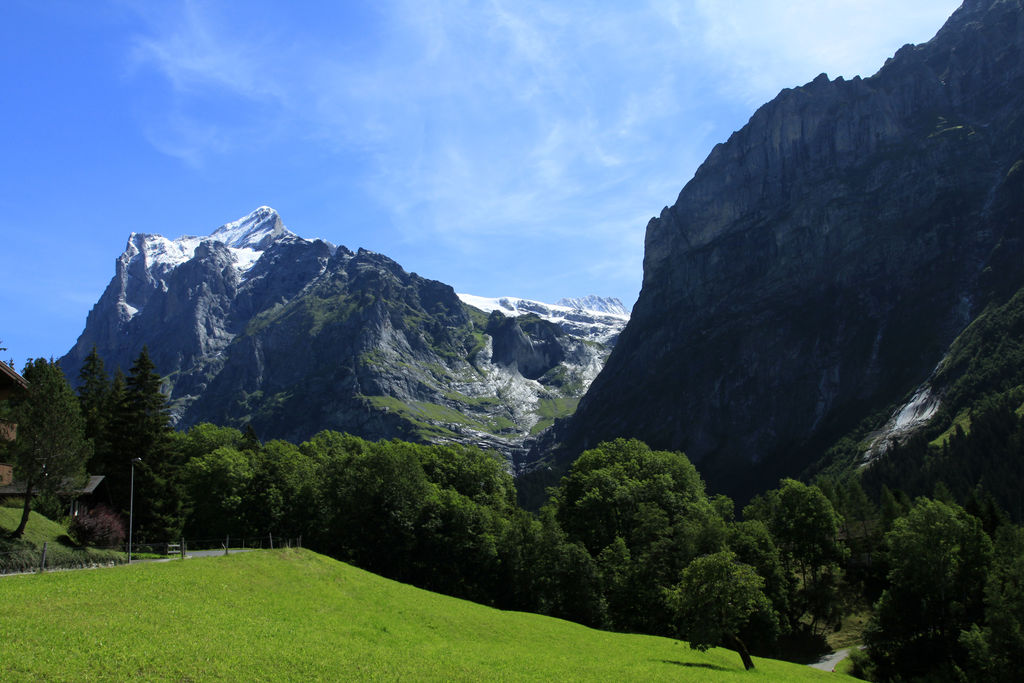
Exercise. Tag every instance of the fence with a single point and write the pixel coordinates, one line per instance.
(229, 543)
(53, 556)
(56, 556)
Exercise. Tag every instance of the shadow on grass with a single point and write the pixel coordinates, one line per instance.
(696, 665)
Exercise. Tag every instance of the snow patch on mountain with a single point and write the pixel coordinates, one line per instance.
(245, 258)
(157, 250)
(906, 420)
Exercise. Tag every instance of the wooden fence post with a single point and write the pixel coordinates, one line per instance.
(42, 563)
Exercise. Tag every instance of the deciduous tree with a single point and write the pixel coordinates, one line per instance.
(622, 492)
(805, 527)
(996, 650)
(938, 559)
(716, 597)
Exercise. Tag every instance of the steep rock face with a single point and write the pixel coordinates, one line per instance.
(255, 325)
(531, 346)
(188, 298)
(820, 262)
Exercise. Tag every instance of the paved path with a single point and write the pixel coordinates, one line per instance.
(828, 662)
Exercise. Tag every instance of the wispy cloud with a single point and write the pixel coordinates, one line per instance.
(194, 53)
(468, 121)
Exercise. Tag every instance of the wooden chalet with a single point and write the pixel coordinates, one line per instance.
(11, 384)
(79, 498)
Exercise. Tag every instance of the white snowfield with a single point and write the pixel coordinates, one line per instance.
(590, 322)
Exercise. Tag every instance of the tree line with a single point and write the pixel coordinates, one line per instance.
(630, 540)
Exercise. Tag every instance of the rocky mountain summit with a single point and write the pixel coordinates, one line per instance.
(256, 325)
(814, 272)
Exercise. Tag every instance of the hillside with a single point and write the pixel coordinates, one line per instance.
(39, 530)
(297, 615)
(24, 554)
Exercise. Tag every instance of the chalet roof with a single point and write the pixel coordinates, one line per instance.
(10, 381)
(90, 486)
(17, 488)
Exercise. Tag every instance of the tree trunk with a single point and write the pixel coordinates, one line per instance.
(24, 512)
(741, 648)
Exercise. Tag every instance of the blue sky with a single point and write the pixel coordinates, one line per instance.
(505, 147)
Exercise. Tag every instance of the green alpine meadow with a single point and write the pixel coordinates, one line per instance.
(297, 615)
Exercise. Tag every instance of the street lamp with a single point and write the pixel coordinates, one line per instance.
(131, 509)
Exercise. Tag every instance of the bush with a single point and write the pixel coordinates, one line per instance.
(859, 666)
(100, 527)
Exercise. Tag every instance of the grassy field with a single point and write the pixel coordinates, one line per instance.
(296, 615)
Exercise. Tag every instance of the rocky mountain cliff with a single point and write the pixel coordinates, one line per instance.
(814, 272)
(256, 325)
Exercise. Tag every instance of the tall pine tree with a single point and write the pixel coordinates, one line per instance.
(109, 460)
(140, 428)
(50, 450)
(94, 399)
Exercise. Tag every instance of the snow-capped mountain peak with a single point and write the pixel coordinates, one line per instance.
(254, 231)
(246, 240)
(151, 258)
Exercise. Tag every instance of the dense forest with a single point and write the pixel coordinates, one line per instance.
(629, 540)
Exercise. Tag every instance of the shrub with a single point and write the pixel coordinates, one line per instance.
(100, 527)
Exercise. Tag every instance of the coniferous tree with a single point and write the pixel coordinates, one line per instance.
(109, 459)
(141, 429)
(94, 399)
(250, 442)
(50, 450)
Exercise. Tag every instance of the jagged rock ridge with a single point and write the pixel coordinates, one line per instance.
(256, 325)
(820, 262)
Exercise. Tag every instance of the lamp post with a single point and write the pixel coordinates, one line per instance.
(131, 509)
